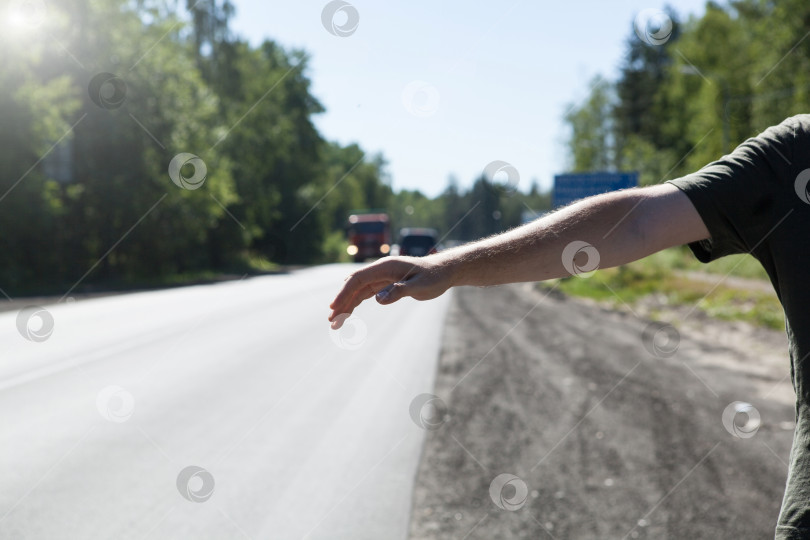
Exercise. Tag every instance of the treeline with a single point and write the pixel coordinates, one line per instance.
(143, 147)
(688, 93)
(99, 98)
(487, 207)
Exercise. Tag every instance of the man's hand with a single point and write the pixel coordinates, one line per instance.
(389, 280)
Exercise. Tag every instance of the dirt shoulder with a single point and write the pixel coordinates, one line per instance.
(609, 439)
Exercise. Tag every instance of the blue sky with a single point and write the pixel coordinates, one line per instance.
(446, 87)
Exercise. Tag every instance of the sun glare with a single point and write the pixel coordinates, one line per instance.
(26, 14)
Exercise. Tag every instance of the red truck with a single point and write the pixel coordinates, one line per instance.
(369, 235)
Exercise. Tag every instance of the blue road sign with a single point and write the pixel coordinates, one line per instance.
(572, 187)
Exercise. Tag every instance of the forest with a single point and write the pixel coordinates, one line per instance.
(144, 147)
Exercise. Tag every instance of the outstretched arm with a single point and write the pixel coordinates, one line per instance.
(608, 230)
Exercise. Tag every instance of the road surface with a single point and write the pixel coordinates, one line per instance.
(216, 411)
(605, 438)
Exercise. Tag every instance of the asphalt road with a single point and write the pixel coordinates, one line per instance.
(602, 435)
(291, 430)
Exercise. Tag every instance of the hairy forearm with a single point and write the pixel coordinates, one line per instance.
(612, 224)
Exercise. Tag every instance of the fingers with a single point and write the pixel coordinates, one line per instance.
(366, 282)
(347, 304)
(385, 293)
(351, 285)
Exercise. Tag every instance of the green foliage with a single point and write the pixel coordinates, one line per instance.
(334, 248)
(591, 144)
(85, 194)
(660, 280)
(462, 216)
(351, 181)
(637, 105)
(720, 79)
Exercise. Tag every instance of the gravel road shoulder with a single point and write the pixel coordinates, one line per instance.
(611, 440)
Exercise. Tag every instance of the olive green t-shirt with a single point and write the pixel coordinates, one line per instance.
(756, 201)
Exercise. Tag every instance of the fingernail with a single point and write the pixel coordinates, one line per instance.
(383, 294)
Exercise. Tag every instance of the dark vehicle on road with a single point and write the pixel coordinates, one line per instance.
(418, 242)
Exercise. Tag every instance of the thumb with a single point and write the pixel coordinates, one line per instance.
(392, 293)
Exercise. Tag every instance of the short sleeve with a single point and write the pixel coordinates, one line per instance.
(738, 196)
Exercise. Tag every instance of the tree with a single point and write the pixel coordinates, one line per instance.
(591, 141)
(643, 74)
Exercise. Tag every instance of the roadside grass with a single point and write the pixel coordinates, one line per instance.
(664, 275)
(680, 258)
(245, 264)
